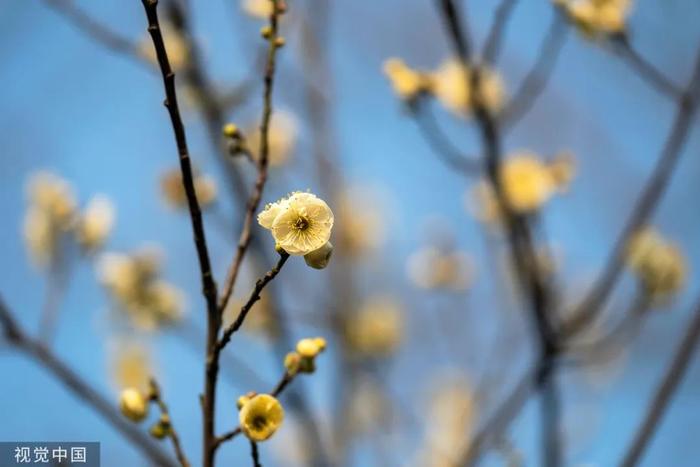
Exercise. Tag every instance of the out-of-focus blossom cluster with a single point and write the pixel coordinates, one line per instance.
(281, 137)
(53, 217)
(658, 264)
(376, 329)
(527, 182)
(596, 17)
(438, 268)
(134, 282)
(451, 83)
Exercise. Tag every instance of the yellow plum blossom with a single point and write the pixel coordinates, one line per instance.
(659, 265)
(310, 347)
(300, 223)
(173, 190)
(527, 182)
(451, 84)
(95, 223)
(406, 82)
(282, 137)
(594, 17)
(260, 417)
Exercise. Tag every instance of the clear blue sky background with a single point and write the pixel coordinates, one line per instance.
(97, 119)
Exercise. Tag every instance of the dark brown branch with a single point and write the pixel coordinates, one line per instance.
(80, 388)
(494, 40)
(665, 392)
(536, 79)
(255, 454)
(520, 238)
(208, 284)
(644, 207)
(254, 297)
(644, 69)
(264, 152)
(157, 397)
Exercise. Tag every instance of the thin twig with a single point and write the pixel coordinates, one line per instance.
(536, 79)
(82, 390)
(254, 297)
(522, 250)
(208, 285)
(255, 454)
(264, 151)
(644, 207)
(157, 397)
(441, 144)
(644, 69)
(492, 46)
(665, 392)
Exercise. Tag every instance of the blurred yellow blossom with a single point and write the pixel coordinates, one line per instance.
(406, 82)
(50, 214)
(257, 8)
(95, 223)
(300, 223)
(131, 367)
(597, 16)
(176, 46)
(311, 346)
(282, 137)
(134, 283)
(361, 221)
(260, 417)
(659, 265)
(528, 183)
(173, 190)
(376, 329)
(133, 404)
(451, 85)
(434, 268)
(451, 417)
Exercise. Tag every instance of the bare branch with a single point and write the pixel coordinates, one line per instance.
(492, 46)
(35, 349)
(665, 392)
(157, 397)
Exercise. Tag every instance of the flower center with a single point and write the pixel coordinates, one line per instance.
(259, 422)
(301, 223)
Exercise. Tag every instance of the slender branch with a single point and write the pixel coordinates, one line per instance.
(551, 416)
(536, 79)
(255, 454)
(208, 285)
(494, 40)
(256, 195)
(80, 388)
(665, 392)
(157, 397)
(644, 207)
(643, 68)
(520, 237)
(97, 31)
(254, 297)
(441, 144)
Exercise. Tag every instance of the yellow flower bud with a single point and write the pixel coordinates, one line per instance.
(309, 347)
(231, 130)
(291, 363)
(162, 428)
(261, 417)
(133, 404)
